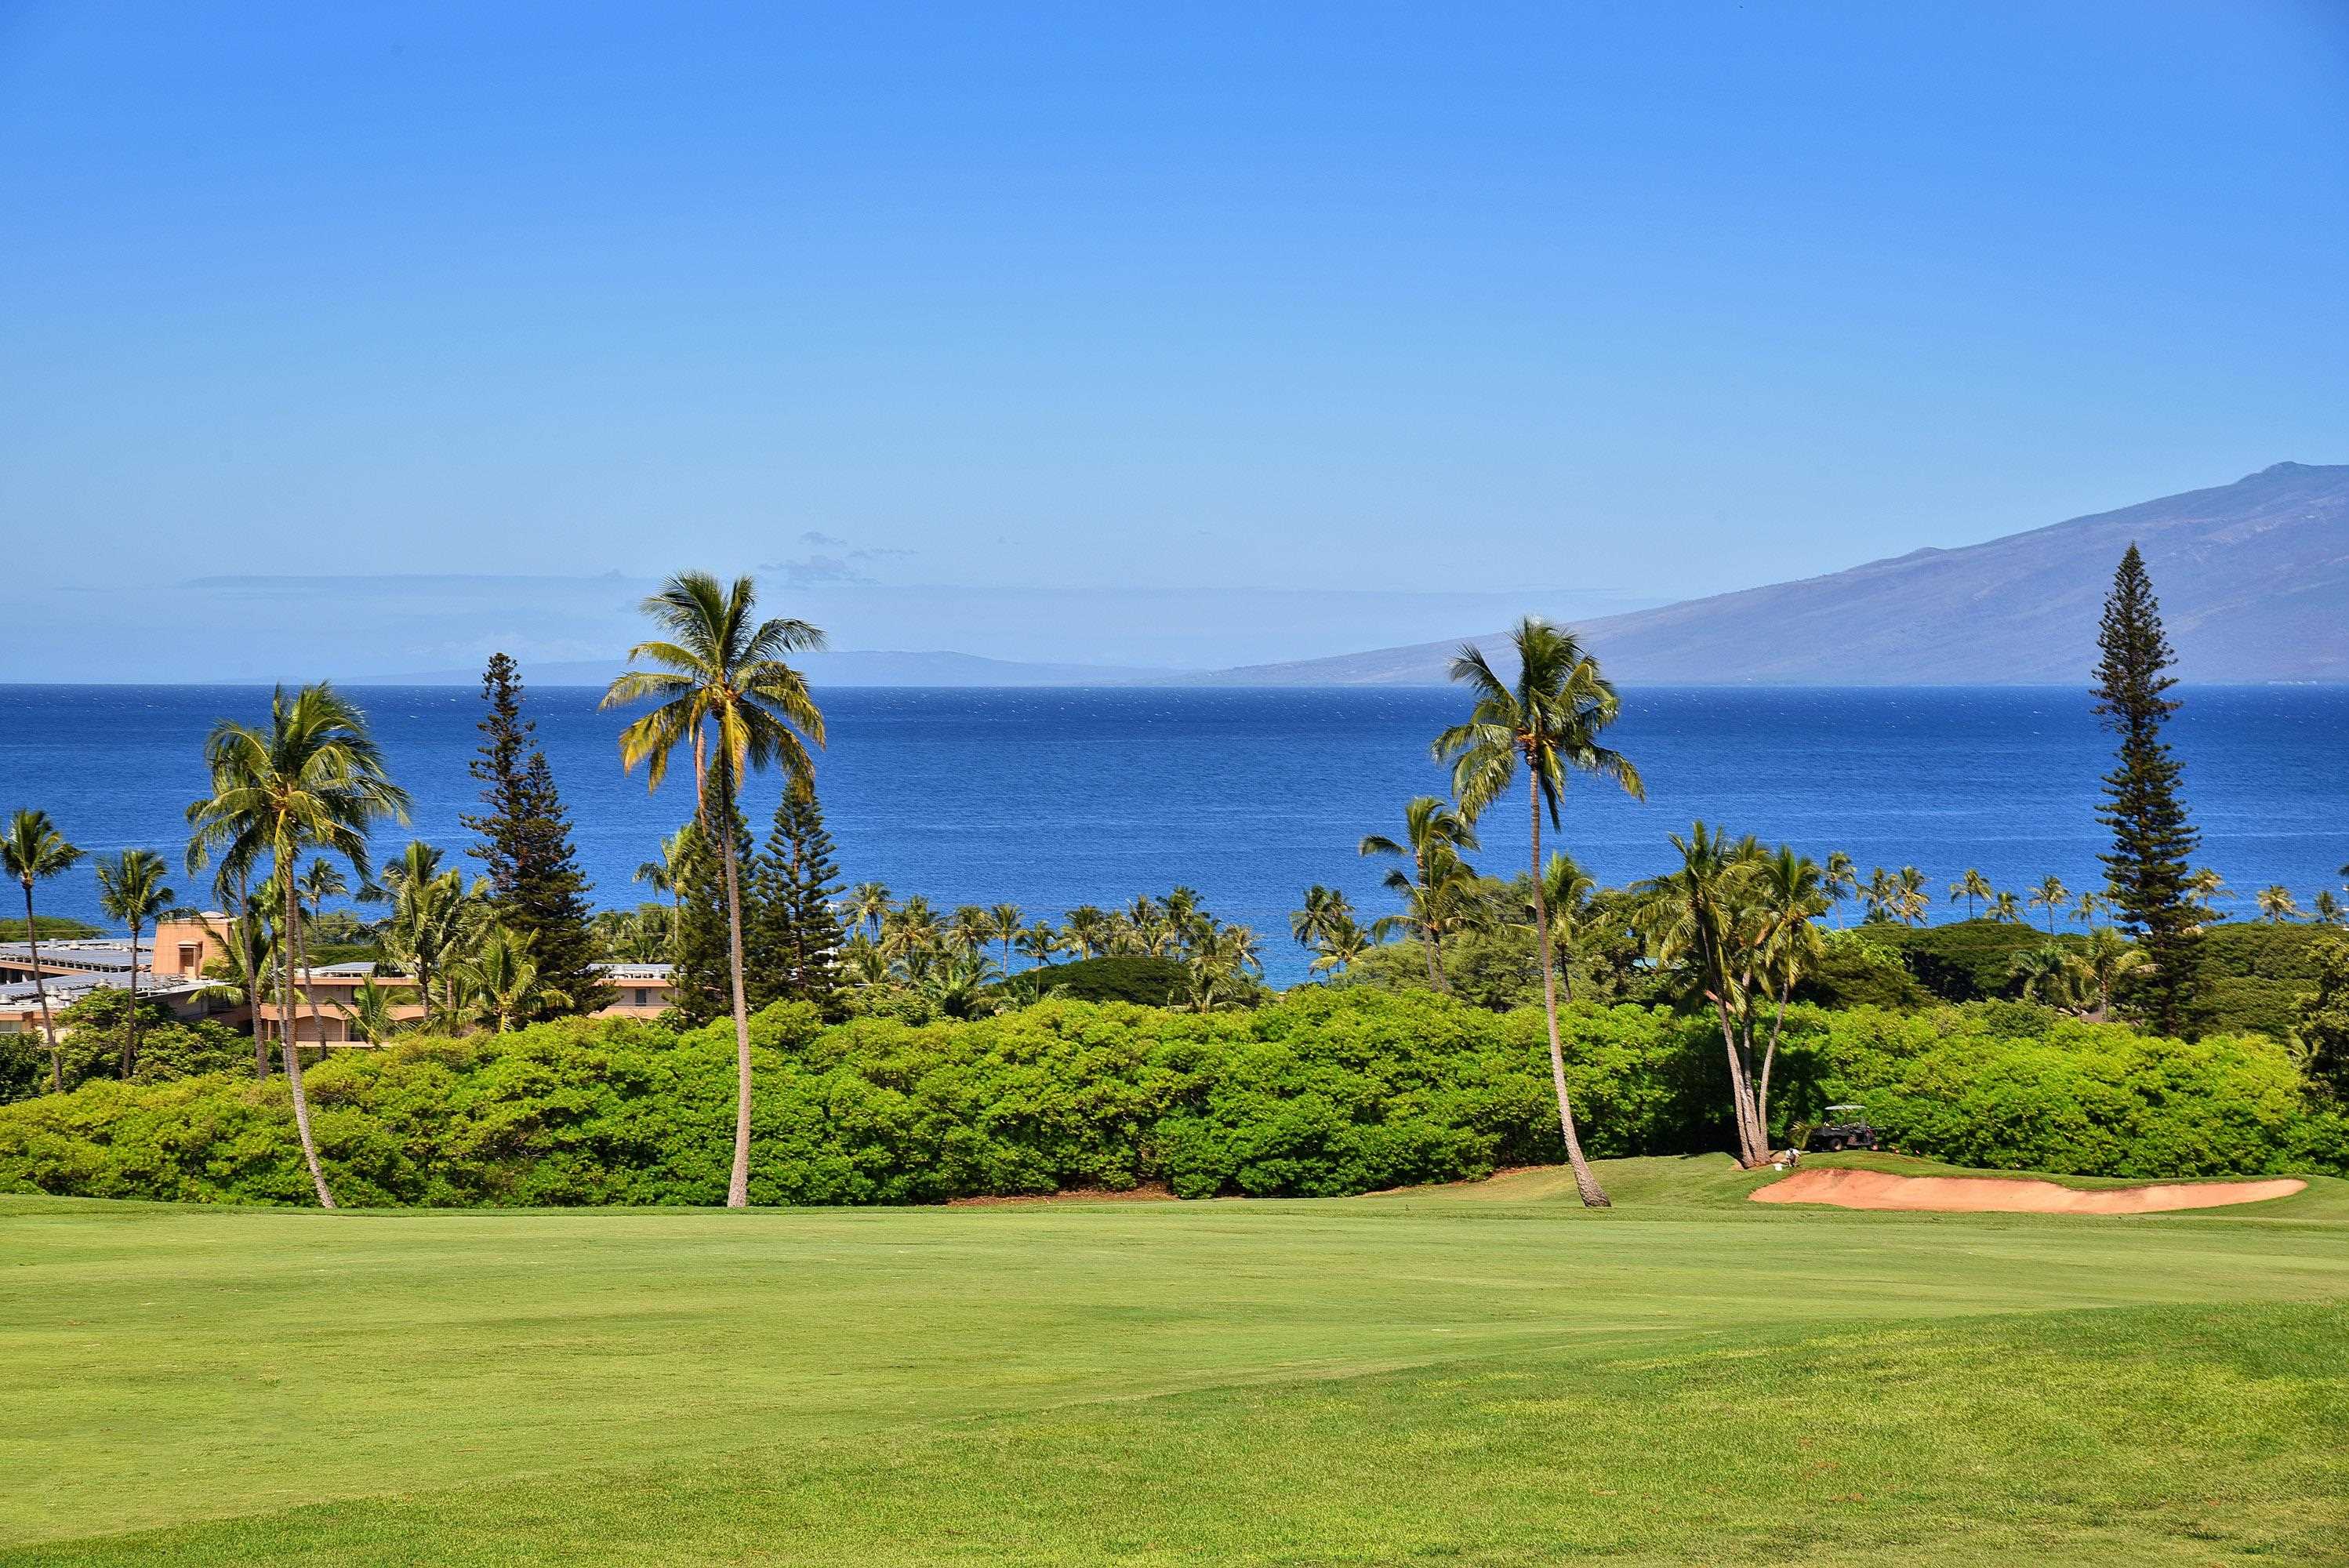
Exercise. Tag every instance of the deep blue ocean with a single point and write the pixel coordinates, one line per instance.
(1059, 797)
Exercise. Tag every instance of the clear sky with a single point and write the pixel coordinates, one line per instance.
(1590, 304)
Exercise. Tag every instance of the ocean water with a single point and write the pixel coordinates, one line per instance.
(1058, 797)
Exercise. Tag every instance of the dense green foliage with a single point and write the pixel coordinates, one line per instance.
(536, 888)
(1326, 1092)
(2322, 1025)
(2248, 974)
(52, 927)
(92, 1032)
(1137, 978)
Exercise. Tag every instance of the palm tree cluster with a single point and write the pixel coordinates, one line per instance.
(1742, 920)
(954, 960)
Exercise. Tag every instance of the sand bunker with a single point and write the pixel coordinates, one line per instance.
(2005, 1195)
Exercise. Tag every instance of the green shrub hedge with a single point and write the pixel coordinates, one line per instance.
(1327, 1091)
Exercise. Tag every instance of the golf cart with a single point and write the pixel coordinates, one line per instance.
(1847, 1127)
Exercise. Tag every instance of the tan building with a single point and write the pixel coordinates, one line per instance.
(172, 972)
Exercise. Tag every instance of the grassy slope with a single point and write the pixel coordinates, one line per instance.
(1688, 1379)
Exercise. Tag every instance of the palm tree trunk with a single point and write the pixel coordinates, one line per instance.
(1741, 1090)
(291, 1048)
(1429, 940)
(130, 1046)
(253, 980)
(1769, 1059)
(1586, 1184)
(41, 991)
(310, 995)
(737, 1184)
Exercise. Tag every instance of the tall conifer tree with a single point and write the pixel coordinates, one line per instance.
(535, 884)
(799, 932)
(2146, 873)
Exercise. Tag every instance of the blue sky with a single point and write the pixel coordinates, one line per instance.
(921, 311)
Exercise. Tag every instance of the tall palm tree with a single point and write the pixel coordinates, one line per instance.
(1549, 720)
(2051, 896)
(2092, 904)
(248, 946)
(1698, 913)
(502, 980)
(1322, 906)
(726, 693)
(1436, 840)
(313, 778)
(1840, 881)
(31, 852)
(1792, 892)
(1038, 943)
(2106, 960)
(130, 890)
(434, 921)
(369, 1014)
(2006, 909)
(1971, 886)
(1341, 946)
(1086, 930)
(2277, 904)
(1881, 896)
(1912, 902)
(868, 904)
(2326, 907)
(970, 929)
(1005, 923)
(666, 875)
(320, 881)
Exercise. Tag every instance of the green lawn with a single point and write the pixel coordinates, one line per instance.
(1477, 1375)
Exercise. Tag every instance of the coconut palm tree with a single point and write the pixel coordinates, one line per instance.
(2277, 904)
(502, 980)
(2050, 895)
(666, 875)
(727, 696)
(1322, 905)
(320, 881)
(312, 779)
(1549, 721)
(1085, 932)
(2049, 975)
(434, 923)
(1038, 943)
(2090, 905)
(1436, 840)
(130, 890)
(2206, 884)
(1840, 881)
(1971, 886)
(868, 904)
(1910, 901)
(1005, 923)
(248, 948)
(1881, 896)
(369, 1014)
(970, 929)
(2006, 909)
(1700, 914)
(2106, 960)
(33, 851)
(1341, 945)
(2326, 907)
(1791, 893)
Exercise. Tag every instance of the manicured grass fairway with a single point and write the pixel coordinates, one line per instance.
(1477, 1375)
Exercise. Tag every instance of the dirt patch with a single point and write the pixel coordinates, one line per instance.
(2009, 1195)
(1148, 1193)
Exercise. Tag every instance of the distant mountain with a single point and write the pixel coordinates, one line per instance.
(852, 667)
(2253, 579)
